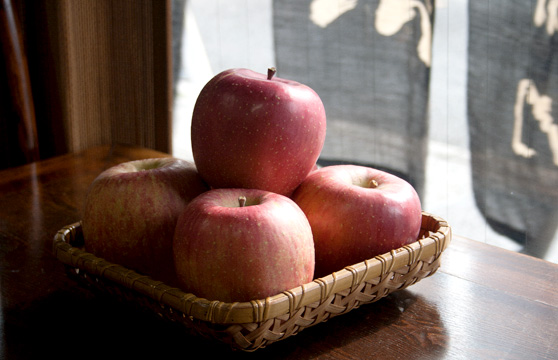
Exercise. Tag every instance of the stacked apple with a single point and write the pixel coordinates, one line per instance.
(259, 217)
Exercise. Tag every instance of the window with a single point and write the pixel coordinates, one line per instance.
(449, 95)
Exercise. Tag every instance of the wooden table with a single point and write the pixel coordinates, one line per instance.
(483, 303)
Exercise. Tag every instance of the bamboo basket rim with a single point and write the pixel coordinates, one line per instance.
(434, 239)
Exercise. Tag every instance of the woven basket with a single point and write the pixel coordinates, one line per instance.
(251, 325)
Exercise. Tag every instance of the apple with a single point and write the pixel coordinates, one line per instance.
(356, 213)
(131, 211)
(242, 244)
(255, 131)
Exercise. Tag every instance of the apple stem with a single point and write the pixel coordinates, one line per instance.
(271, 72)
(242, 201)
(373, 184)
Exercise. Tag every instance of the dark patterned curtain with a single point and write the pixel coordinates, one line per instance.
(369, 61)
(513, 117)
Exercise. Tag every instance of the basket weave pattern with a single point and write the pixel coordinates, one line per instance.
(256, 324)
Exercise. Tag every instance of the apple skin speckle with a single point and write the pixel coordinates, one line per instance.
(131, 211)
(247, 149)
(352, 221)
(264, 247)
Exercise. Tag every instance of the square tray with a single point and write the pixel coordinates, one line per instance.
(251, 325)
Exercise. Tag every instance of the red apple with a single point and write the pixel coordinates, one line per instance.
(131, 211)
(242, 244)
(356, 213)
(255, 131)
